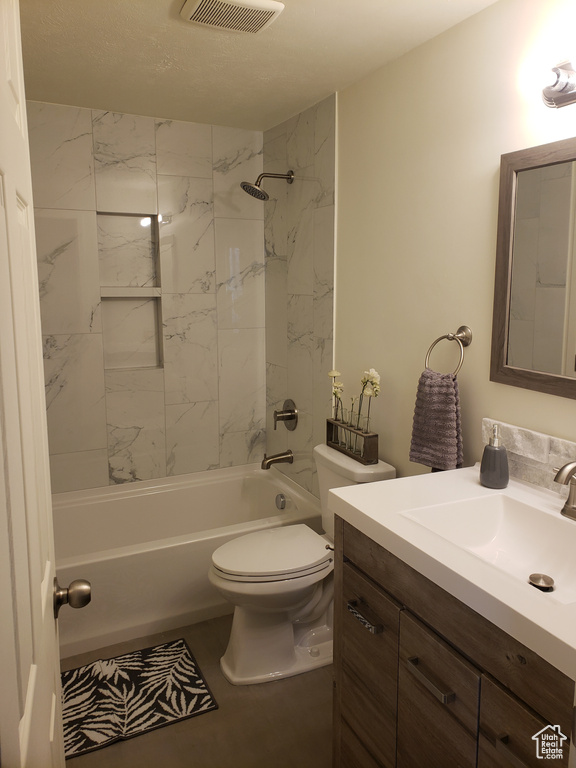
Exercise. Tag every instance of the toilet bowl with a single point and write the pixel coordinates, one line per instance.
(280, 581)
(276, 579)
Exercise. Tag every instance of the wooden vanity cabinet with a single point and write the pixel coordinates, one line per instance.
(422, 681)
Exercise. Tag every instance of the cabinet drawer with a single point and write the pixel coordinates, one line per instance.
(369, 665)
(507, 728)
(438, 699)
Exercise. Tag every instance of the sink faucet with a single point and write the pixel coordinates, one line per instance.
(567, 475)
(286, 457)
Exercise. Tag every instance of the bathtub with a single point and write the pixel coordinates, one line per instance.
(146, 547)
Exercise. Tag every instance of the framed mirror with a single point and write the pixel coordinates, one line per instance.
(534, 325)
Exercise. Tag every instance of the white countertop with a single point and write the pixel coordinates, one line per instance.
(535, 618)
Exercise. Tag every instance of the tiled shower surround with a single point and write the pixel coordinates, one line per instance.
(299, 234)
(152, 285)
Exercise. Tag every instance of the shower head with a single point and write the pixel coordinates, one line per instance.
(256, 190)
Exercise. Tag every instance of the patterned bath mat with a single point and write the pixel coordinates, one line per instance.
(118, 698)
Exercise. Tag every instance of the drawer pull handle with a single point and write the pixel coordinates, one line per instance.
(374, 629)
(443, 698)
(501, 745)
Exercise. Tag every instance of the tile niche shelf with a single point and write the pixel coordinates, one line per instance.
(130, 290)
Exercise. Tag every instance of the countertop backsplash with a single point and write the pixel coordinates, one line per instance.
(532, 456)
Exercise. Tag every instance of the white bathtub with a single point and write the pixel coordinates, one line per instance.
(146, 547)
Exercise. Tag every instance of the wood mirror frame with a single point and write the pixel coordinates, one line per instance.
(500, 371)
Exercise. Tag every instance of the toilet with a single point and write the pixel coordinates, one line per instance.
(280, 581)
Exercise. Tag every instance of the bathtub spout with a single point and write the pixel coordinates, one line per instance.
(286, 457)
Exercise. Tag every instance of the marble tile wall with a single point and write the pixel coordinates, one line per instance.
(532, 456)
(299, 238)
(152, 369)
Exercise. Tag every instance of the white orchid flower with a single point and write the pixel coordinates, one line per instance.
(372, 376)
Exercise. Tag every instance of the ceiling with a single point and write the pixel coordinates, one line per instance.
(141, 57)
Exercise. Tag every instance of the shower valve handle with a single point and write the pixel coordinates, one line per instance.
(288, 414)
(77, 595)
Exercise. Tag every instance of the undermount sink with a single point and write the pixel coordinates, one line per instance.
(510, 535)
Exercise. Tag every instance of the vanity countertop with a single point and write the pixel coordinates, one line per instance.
(539, 620)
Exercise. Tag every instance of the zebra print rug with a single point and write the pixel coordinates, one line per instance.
(123, 697)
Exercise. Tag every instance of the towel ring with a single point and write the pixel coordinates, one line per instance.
(464, 338)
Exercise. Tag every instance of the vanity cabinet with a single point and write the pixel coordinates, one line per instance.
(421, 680)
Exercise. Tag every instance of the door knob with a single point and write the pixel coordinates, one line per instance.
(77, 595)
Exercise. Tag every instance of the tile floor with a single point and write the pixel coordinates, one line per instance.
(283, 724)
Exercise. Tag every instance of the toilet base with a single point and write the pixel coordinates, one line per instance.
(261, 649)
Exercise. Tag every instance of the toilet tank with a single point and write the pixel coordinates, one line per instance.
(336, 470)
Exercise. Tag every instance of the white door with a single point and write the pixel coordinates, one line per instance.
(30, 714)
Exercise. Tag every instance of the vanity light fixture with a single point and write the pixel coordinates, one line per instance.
(563, 91)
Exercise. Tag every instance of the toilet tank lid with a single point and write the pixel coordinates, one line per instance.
(351, 469)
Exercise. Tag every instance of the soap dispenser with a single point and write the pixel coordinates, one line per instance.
(494, 466)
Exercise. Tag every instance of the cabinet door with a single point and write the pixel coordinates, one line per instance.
(367, 680)
(353, 754)
(438, 699)
(513, 736)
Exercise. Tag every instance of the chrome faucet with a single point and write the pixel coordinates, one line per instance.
(567, 475)
(286, 457)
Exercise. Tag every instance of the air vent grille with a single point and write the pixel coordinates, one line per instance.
(249, 16)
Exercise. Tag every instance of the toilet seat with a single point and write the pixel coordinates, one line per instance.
(273, 554)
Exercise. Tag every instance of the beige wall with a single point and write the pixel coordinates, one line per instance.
(419, 145)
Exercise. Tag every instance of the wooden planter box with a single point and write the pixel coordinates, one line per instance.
(360, 446)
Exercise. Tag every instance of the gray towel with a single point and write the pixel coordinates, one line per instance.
(436, 431)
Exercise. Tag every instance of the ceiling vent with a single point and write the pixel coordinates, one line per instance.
(237, 15)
